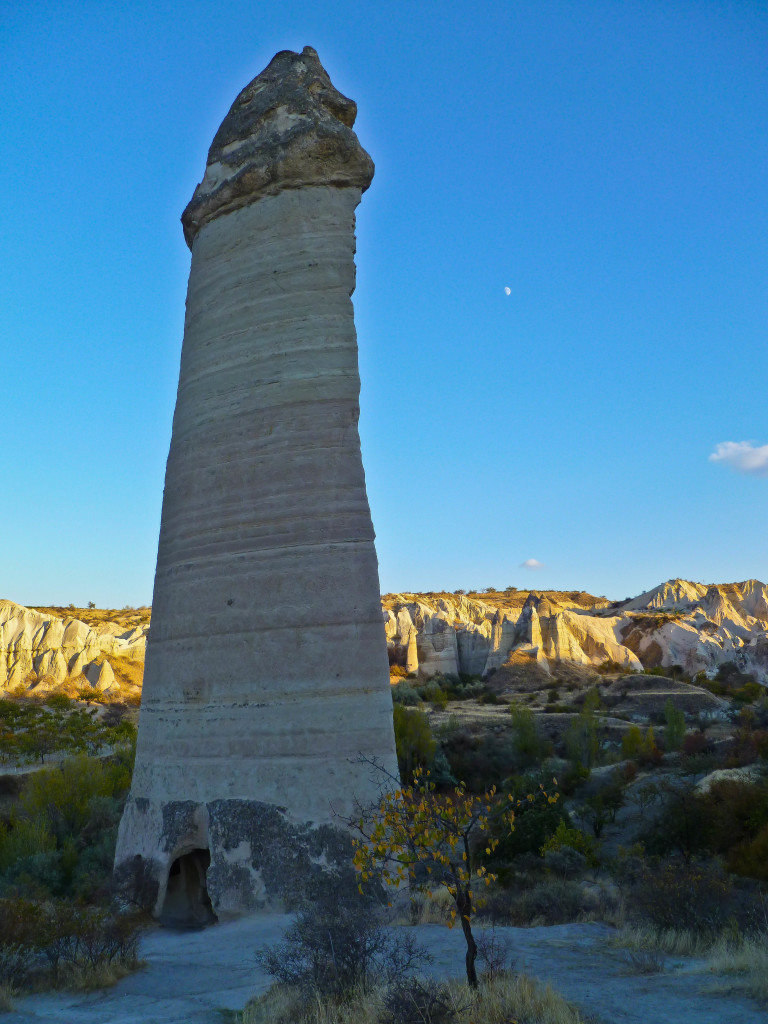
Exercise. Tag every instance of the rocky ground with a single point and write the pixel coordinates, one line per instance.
(191, 977)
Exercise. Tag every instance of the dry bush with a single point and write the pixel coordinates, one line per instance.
(125, 617)
(645, 961)
(338, 942)
(418, 1001)
(696, 896)
(282, 1005)
(516, 997)
(89, 977)
(17, 964)
(64, 945)
(494, 952)
(500, 1000)
(549, 902)
(135, 883)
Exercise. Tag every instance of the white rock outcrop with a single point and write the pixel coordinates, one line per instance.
(266, 671)
(39, 651)
(694, 625)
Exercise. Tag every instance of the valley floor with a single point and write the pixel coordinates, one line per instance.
(192, 976)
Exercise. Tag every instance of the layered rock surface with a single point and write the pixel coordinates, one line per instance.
(696, 626)
(39, 651)
(266, 671)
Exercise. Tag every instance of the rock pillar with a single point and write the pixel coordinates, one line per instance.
(266, 666)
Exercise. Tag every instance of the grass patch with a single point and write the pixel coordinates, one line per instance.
(6, 997)
(128, 671)
(745, 964)
(426, 910)
(740, 962)
(89, 977)
(674, 942)
(505, 998)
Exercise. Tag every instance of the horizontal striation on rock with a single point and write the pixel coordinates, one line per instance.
(266, 671)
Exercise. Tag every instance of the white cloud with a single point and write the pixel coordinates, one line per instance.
(742, 456)
(507, 290)
(531, 563)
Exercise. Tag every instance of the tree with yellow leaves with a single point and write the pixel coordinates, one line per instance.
(418, 835)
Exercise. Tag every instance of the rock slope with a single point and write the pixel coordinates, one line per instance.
(696, 626)
(40, 651)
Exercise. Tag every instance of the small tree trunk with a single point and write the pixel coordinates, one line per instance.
(465, 909)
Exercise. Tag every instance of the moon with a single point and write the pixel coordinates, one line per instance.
(507, 291)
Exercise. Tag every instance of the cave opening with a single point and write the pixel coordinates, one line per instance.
(187, 903)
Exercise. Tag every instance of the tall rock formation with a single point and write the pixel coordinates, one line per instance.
(266, 668)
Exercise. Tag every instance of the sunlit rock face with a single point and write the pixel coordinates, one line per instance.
(40, 651)
(679, 623)
(266, 670)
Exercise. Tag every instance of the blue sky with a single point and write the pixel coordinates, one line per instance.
(605, 161)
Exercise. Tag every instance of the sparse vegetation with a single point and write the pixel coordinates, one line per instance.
(33, 730)
(503, 998)
(58, 827)
(426, 838)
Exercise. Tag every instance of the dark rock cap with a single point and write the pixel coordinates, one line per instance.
(289, 128)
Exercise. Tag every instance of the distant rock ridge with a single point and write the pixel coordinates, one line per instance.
(693, 625)
(39, 651)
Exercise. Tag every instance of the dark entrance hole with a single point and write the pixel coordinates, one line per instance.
(187, 903)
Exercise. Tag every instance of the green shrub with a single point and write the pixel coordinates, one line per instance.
(530, 746)
(750, 858)
(602, 807)
(638, 747)
(565, 835)
(406, 695)
(433, 693)
(59, 701)
(675, 726)
(481, 759)
(61, 837)
(23, 839)
(725, 822)
(582, 741)
(414, 741)
(535, 823)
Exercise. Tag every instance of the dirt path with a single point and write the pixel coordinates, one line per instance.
(192, 976)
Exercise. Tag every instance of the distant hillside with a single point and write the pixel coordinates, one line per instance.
(125, 618)
(509, 598)
(679, 623)
(695, 626)
(81, 649)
